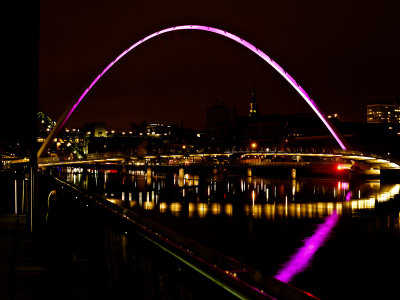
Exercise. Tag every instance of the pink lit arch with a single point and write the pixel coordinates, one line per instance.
(63, 119)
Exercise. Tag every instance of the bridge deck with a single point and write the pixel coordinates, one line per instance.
(373, 161)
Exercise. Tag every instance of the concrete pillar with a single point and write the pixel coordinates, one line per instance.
(293, 173)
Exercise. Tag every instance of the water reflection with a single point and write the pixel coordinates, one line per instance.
(188, 195)
(261, 221)
(300, 260)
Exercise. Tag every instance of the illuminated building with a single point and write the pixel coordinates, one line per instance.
(154, 130)
(95, 129)
(158, 130)
(383, 113)
(99, 129)
(253, 105)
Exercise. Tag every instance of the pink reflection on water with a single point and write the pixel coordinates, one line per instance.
(348, 196)
(300, 260)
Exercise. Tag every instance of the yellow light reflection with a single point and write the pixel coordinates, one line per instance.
(202, 209)
(175, 208)
(257, 211)
(228, 209)
(270, 211)
(115, 201)
(163, 207)
(196, 180)
(148, 205)
(293, 187)
(216, 208)
(191, 209)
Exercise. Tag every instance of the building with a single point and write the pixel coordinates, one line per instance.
(383, 113)
(253, 105)
(218, 115)
(95, 129)
(154, 130)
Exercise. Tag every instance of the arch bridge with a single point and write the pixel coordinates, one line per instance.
(370, 160)
(70, 109)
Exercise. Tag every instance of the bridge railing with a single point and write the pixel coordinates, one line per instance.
(142, 258)
(231, 156)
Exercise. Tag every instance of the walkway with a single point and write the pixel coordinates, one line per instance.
(23, 274)
(35, 266)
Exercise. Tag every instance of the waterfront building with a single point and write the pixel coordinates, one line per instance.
(95, 129)
(383, 113)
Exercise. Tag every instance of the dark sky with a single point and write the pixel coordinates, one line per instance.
(345, 54)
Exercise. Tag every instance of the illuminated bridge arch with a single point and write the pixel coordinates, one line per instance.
(63, 119)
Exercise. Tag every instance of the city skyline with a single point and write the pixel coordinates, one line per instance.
(344, 55)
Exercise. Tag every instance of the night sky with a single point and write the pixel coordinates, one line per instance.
(345, 54)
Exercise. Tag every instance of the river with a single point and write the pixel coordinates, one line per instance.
(333, 238)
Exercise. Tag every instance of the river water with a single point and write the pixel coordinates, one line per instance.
(335, 239)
